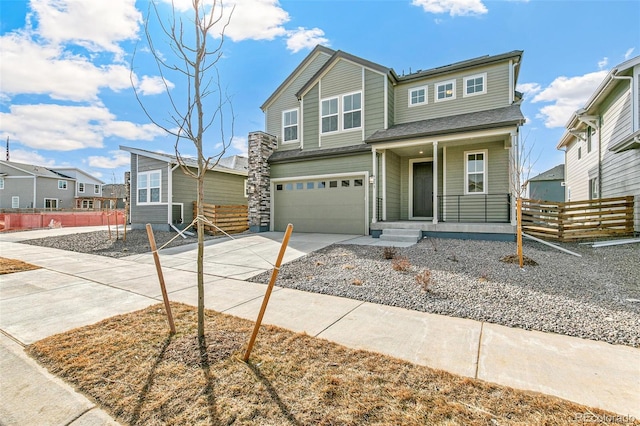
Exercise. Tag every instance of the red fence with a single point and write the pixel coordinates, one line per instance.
(15, 221)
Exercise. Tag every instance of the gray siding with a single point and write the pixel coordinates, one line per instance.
(287, 99)
(154, 214)
(404, 184)
(391, 104)
(497, 171)
(311, 119)
(497, 95)
(48, 188)
(373, 102)
(21, 187)
(393, 186)
(548, 190)
(219, 189)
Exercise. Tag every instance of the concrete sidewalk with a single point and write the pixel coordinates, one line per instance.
(39, 303)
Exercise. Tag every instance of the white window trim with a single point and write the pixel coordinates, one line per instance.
(96, 188)
(330, 115)
(80, 187)
(148, 187)
(297, 110)
(484, 85)
(485, 181)
(15, 202)
(426, 96)
(64, 182)
(1, 183)
(246, 188)
(342, 112)
(50, 199)
(442, 83)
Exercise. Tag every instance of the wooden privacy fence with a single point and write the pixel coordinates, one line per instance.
(232, 219)
(577, 220)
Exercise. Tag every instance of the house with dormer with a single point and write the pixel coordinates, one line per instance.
(352, 147)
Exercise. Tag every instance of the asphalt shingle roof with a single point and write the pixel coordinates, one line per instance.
(556, 173)
(298, 154)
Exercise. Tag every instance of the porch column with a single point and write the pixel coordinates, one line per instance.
(435, 182)
(383, 178)
(374, 198)
(515, 174)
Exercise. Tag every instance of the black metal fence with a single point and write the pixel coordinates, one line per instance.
(475, 208)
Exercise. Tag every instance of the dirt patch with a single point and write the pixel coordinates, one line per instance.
(9, 266)
(140, 374)
(513, 258)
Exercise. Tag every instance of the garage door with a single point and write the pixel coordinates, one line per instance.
(328, 205)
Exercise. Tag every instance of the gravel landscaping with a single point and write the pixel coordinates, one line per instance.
(595, 296)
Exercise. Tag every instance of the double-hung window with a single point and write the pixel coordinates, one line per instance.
(330, 115)
(80, 187)
(62, 184)
(418, 96)
(149, 187)
(96, 189)
(475, 84)
(352, 111)
(445, 90)
(476, 172)
(290, 125)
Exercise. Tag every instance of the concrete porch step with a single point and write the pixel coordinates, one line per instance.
(401, 235)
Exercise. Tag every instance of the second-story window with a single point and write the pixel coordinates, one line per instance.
(352, 111)
(80, 187)
(330, 115)
(62, 184)
(290, 125)
(446, 90)
(96, 189)
(417, 96)
(475, 84)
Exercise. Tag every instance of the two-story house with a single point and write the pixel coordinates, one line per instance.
(602, 140)
(352, 147)
(88, 189)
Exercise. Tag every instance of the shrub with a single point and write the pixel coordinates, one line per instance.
(389, 253)
(424, 279)
(401, 264)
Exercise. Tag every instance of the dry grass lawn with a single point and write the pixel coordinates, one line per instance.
(9, 266)
(141, 375)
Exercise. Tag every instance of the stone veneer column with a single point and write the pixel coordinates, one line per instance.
(261, 146)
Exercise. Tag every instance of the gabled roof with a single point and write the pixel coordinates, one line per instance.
(236, 164)
(493, 118)
(73, 173)
(469, 63)
(600, 94)
(38, 171)
(338, 55)
(556, 173)
(299, 68)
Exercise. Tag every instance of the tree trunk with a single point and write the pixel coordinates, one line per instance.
(200, 202)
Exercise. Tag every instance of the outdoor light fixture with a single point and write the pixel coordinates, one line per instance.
(372, 179)
(420, 152)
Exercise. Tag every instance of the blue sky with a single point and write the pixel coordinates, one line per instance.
(66, 98)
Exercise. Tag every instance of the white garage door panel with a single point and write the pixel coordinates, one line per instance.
(331, 205)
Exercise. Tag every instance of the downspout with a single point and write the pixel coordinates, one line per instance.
(630, 79)
(170, 193)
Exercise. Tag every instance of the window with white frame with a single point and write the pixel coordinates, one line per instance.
(594, 189)
(589, 133)
(290, 125)
(15, 202)
(418, 96)
(62, 184)
(445, 90)
(1, 183)
(330, 115)
(80, 187)
(50, 203)
(352, 111)
(149, 187)
(475, 84)
(475, 172)
(96, 189)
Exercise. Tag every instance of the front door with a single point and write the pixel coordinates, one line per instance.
(423, 189)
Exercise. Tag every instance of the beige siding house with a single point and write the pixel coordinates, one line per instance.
(353, 147)
(602, 140)
(163, 195)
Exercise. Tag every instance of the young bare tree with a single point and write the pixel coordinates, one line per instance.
(522, 163)
(189, 116)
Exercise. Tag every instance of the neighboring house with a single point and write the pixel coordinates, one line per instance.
(88, 190)
(549, 185)
(352, 147)
(114, 195)
(602, 140)
(25, 186)
(163, 195)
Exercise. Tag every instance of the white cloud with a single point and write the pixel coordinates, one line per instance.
(153, 85)
(603, 63)
(567, 95)
(65, 128)
(95, 25)
(239, 143)
(32, 68)
(117, 159)
(452, 7)
(628, 53)
(29, 157)
(303, 38)
(528, 89)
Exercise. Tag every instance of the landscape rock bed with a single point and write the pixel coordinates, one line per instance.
(590, 297)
